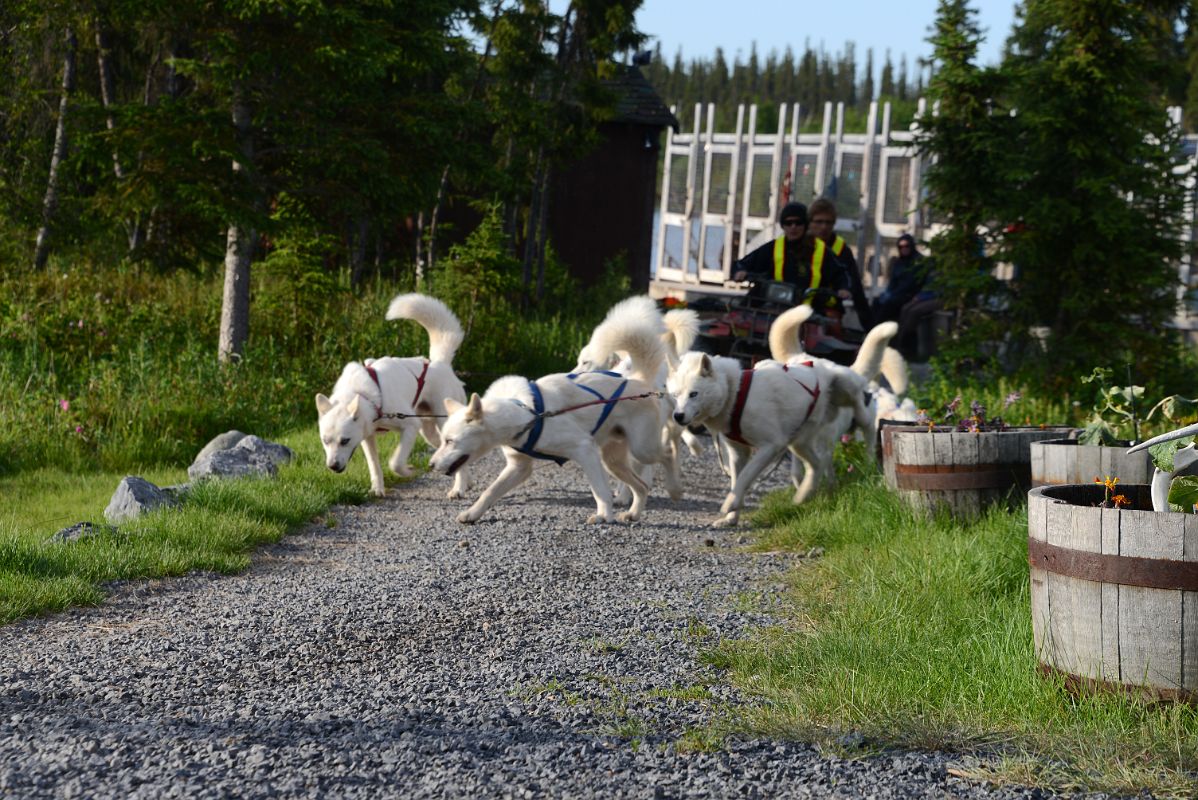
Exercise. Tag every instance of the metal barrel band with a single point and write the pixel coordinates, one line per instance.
(1149, 573)
(939, 477)
(1082, 685)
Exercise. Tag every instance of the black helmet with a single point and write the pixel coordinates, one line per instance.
(793, 210)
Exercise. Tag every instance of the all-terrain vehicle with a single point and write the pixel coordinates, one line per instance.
(742, 331)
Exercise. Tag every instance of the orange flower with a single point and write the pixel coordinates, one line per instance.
(1120, 500)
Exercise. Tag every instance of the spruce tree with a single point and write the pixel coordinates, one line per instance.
(966, 147)
(1096, 197)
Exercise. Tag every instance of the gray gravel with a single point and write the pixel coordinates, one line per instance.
(399, 654)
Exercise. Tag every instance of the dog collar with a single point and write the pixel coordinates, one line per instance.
(378, 409)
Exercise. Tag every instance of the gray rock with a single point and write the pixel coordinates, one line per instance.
(221, 442)
(135, 496)
(278, 454)
(81, 530)
(236, 462)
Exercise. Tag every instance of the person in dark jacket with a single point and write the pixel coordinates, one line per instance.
(794, 257)
(907, 279)
(823, 226)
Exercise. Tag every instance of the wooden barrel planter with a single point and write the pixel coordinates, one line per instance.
(1114, 592)
(1064, 461)
(960, 472)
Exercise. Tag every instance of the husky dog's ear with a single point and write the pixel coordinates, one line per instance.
(452, 406)
(352, 408)
(475, 409)
(323, 404)
(706, 368)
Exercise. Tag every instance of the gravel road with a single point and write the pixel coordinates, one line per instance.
(396, 653)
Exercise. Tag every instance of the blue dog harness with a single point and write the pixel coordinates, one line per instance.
(539, 414)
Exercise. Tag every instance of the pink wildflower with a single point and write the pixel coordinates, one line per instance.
(65, 405)
(79, 429)
(845, 438)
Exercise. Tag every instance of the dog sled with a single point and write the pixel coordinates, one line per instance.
(741, 331)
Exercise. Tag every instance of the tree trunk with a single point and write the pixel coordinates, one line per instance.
(239, 248)
(133, 226)
(50, 203)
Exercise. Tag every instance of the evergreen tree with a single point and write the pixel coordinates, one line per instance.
(965, 178)
(886, 88)
(1096, 197)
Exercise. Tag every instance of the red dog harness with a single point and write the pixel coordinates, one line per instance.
(742, 394)
(415, 398)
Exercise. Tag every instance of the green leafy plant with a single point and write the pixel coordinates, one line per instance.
(1116, 417)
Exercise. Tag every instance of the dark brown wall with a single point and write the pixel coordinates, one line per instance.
(602, 205)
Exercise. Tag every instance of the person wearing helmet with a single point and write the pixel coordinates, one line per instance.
(794, 257)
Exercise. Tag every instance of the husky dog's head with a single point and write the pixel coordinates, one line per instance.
(343, 426)
(465, 436)
(695, 389)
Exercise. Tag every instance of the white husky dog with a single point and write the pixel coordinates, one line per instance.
(594, 418)
(403, 394)
(777, 407)
(883, 402)
(681, 327)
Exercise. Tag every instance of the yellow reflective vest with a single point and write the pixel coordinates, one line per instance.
(817, 260)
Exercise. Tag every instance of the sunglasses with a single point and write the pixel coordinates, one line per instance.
(788, 223)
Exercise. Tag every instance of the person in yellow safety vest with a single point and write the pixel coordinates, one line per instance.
(794, 257)
(823, 226)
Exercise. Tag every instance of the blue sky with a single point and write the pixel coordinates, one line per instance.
(699, 26)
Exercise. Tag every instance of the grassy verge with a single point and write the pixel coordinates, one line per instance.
(215, 530)
(917, 632)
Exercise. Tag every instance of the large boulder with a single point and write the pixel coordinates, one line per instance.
(134, 497)
(250, 456)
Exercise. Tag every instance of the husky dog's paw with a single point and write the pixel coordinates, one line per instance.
(598, 519)
(729, 504)
(675, 492)
(627, 516)
(402, 470)
(727, 521)
(378, 491)
(466, 518)
(455, 494)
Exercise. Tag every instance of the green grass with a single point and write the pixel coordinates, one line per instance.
(215, 530)
(917, 632)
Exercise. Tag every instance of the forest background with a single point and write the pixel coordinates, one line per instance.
(151, 153)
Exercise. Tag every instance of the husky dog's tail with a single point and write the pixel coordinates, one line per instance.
(633, 326)
(784, 333)
(682, 328)
(894, 370)
(873, 350)
(444, 331)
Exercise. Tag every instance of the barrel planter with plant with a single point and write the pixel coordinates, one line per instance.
(962, 467)
(1056, 462)
(963, 472)
(1114, 590)
(1102, 446)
